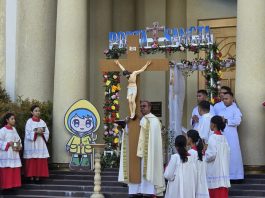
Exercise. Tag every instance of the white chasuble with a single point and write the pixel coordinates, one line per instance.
(151, 152)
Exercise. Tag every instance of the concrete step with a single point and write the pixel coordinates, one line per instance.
(60, 193)
(247, 192)
(109, 188)
(248, 186)
(83, 177)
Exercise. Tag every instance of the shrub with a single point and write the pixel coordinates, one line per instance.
(21, 108)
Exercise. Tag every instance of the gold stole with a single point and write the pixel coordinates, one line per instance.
(146, 142)
(124, 151)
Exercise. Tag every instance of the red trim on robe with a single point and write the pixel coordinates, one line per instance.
(35, 119)
(35, 136)
(217, 133)
(10, 178)
(194, 148)
(8, 127)
(221, 192)
(7, 146)
(36, 167)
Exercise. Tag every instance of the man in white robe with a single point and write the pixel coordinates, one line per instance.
(220, 106)
(195, 116)
(205, 121)
(232, 117)
(151, 153)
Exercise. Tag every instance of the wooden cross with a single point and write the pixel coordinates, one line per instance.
(155, 29)
(132, 63)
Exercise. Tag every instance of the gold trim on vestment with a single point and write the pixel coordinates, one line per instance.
(146, 142)
(124, 150)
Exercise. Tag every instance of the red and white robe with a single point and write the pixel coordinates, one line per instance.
(217, 158)
(35, 152)
(10, 162)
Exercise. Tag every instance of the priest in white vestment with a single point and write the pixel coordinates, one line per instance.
(232, 117)
(195, 116)
(151, 153)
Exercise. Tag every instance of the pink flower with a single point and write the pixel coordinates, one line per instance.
(181, 48)
(106, 51)
(113, 96)
(106, 133)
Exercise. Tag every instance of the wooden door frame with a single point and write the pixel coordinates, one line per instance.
(216, 23)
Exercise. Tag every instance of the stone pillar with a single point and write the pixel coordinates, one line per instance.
(36, 26)
(70, 68)
(101, 25)
(2, 42)
(250, 81)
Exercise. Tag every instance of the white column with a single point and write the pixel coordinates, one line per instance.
(100, 26)
(36, 26)
(250, 81)
(2, 42)
(10, 44)
(70, 68)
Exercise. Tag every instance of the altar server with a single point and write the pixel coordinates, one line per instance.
(196, 151)
(217, 158)
(205, 120)
(10, 145)
(195, 116)
(36, 152)
(181, 172)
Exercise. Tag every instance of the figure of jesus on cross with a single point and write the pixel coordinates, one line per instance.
(132, 86)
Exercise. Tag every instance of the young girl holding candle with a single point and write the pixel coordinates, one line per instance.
(10, 145)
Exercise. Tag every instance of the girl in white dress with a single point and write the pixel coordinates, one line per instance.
(36, 152)
(10, 145)
(196, 151)
(217, 158)
(181, 172)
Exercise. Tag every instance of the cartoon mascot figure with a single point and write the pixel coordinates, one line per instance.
(81, 120)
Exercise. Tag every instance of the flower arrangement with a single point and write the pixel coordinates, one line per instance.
(111, 107)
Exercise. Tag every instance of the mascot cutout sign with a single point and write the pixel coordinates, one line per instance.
(82, 121)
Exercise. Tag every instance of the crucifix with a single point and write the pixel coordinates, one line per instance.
(131, 64)
(155, 29)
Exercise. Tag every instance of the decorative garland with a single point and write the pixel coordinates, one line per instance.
(213, 73)
(116, 52)
(111, 108)
(111, 113)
